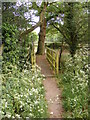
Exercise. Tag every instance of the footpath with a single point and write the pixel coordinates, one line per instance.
(53, 93)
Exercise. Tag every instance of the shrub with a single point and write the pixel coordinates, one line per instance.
(22, 89)
(22, 93)
(10, 41)
(75, 85)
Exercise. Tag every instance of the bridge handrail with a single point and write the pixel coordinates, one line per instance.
(53, 58)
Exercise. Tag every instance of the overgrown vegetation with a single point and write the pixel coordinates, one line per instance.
(75, 85)
(11, 51)
(22, 93)
(22, 88)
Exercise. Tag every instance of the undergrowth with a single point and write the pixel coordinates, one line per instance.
(23, 94)
(74, 82)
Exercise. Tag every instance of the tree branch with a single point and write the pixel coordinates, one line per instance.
(77, 31)
(59, 30)
(38, 24)
(31, 29)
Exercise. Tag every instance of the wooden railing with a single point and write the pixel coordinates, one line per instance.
(53, 58)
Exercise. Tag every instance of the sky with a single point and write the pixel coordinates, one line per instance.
(34, 18)
(37, 30)
(30, 13)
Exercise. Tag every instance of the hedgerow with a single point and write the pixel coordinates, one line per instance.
(23, 94)
(75, 85)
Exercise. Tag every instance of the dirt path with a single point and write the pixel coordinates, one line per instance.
(53, 93)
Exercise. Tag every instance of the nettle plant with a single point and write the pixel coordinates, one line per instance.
(76, 85)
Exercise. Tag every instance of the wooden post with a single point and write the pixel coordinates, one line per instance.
(46, 52)
(52, 59)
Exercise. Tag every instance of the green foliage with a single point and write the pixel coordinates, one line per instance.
(56, 38)
(26, 48)
(75, 25)
(64, 57)
(10, 42)
(22, 89)
(22, 93)
(15, 51)
(71, 21)
(15, 15)
(75, 85)
(32, 37)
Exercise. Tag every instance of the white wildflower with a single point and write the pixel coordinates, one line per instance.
(51, 113)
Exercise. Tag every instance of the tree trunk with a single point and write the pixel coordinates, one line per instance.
(42, 33)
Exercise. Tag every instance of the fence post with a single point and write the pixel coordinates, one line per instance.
(46, 52)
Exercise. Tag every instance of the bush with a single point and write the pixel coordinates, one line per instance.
(22, 93)
(10, 41)
(75, 85)
(22, 89)
(15, 51)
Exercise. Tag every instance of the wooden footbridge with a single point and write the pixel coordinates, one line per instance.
(49, 68)
(51, 56)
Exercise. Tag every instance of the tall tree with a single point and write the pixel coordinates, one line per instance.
(42, 33)
(41, 9)
(44, 18)
(68, 18)
(72, 24)
(42, 12)
(15, 15)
